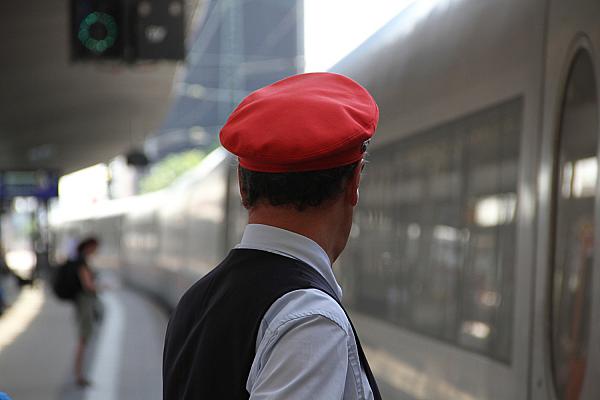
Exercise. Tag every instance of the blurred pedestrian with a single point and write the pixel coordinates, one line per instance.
(268, 322)
(3, 275)
(86, 303)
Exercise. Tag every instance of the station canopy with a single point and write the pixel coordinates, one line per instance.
(65, 115)
(62, 115)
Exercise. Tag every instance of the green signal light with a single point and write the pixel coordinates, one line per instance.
(83, 36)
(98, 45)
(91, 18)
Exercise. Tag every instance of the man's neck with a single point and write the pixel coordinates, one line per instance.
(316, 225)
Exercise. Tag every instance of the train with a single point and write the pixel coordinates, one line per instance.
(471, 271)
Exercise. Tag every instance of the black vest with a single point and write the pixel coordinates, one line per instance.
(211, 338)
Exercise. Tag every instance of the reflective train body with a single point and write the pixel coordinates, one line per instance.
(471, 271)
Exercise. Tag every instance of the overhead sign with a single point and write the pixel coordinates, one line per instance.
(40, 184)
(127, 30)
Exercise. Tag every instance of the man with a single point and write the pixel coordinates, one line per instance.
(86, 303)
(267, 322)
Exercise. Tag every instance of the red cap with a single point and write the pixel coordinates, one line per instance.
(306, 122)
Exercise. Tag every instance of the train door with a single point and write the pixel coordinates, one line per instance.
(567, 299)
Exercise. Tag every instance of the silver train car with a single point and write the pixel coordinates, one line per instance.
(472, 270)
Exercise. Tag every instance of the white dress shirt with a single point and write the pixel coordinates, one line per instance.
(305, 347)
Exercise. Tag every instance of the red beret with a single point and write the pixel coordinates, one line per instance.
(306, 122)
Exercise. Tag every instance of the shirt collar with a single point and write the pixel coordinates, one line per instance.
(289, 244)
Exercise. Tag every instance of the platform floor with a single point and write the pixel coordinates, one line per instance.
(38, 338)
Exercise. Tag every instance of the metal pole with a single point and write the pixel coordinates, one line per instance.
(231, 78)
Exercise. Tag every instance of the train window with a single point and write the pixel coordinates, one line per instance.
(575, 193)
(491, 155)
(432, 249)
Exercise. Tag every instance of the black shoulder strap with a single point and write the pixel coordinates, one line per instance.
(324, 286)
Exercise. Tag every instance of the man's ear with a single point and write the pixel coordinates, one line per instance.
(243, 194)
(354, 183)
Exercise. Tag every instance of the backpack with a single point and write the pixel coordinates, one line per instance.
(66, 284)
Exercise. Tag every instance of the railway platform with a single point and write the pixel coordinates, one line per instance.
(38, 338)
